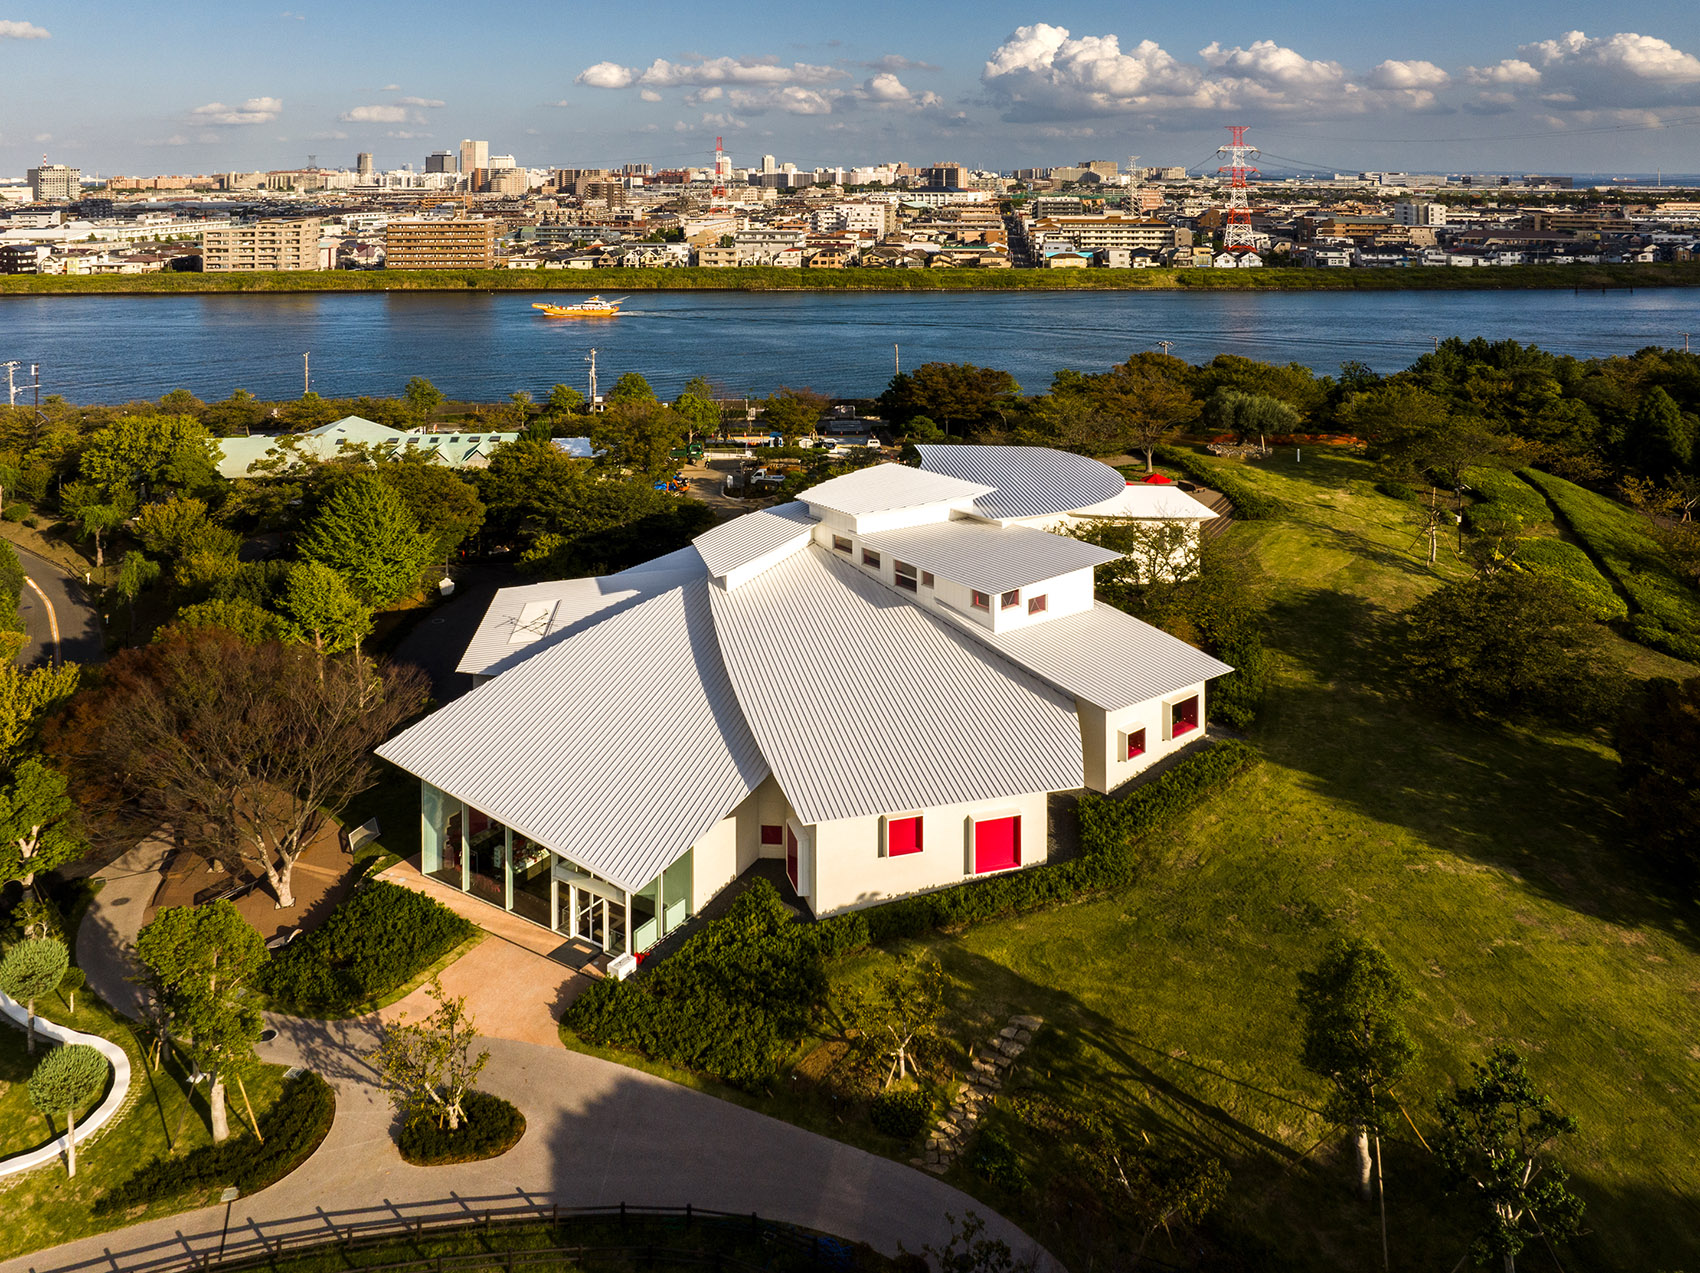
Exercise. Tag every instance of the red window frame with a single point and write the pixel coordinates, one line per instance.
(1036, 605)
(979, 600)
(1183, 717)
(903, 836)
(840, 543)
(1135, 744)
(772, 835)
(1010, 600)
(997, 844)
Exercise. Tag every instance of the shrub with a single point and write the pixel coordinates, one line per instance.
(995, 1161)
(1397, 490)
(489, 1128)
(1506, 496)
(901, 1113)
(292, 1128)
(15, 512)
(1569, 565)
(1250, 504)
(378, 939)
(34, 523)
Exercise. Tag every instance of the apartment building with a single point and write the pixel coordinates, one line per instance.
(273, 244)
(1101, 233)
(434, 243)
(55, 181)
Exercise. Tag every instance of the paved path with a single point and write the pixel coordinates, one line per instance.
(58, 615)
(598, 1134)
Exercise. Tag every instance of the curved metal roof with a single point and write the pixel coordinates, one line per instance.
(1027, 481)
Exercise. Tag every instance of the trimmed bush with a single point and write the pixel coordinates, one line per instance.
(1397, 490)
(901, 1113)
(292, 1129)
(1250, 504)
(1507, 496)
(489, 1128)
(1569, 565)
(377, 940)
(995, 1161)
(15, 512)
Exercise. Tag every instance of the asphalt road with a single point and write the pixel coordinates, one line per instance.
(64, 601)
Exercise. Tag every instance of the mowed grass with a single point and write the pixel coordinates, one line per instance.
(165, 1117)
(22, 1128)
(1486, 861)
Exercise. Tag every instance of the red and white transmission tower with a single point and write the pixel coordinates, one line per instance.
(1236, 234)
(722, 170)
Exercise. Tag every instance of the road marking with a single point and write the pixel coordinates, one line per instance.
(52, 618)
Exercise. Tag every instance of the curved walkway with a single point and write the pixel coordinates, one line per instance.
(102, 1114)
(59, 617)
(597, 1134)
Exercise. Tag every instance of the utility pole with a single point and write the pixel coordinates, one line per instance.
(35, 371)
(306, 374)
(1684, 349)
(896, 360)
(592, 361)
(1167, 346)
(11, 386)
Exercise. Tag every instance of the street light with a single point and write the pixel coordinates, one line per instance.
(228, 1198)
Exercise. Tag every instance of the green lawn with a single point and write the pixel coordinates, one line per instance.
(44, 1207)
(21, 1127)
(1486, 861)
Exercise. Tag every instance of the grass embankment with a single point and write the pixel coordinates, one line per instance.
(1487, 861)
(167, 1117)
(1664, 611)
(775, 279)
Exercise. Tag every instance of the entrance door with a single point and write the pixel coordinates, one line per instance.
(791, 856)
(590, 919)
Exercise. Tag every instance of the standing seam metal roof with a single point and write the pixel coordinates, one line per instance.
(741, 540)
(1026, 481)
(863, 703)
(619, 747)
(990, 558)
(881, 488)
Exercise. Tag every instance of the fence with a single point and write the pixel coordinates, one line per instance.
(255, 1245)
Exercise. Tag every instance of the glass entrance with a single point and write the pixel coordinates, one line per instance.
(590, 923)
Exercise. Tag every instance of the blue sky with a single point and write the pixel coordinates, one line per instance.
(146, 87)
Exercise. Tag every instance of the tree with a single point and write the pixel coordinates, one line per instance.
(969, 1252)
(68, 1078)
(201, 962)
(242, 749)
(134, 577)
(321, 609)
(38, 823)
(236, 615)
(1354, 1038)
(1661, 437)
(33, 968)
(899, 1022)
(1510, 643)
(1658, 741)
(563, 400)
(144, 455)
(27, 696)
(445, 504)
(428, 1067)
(422, 397)
(1494, 1134)
(1148, 397)
(697, 407)
(1155, 1189)
(1248, 415)
(96, 517)
(631, 388)
(366, 534)
(638, 436)
(792, 412)
(74, 980)
(959, 396)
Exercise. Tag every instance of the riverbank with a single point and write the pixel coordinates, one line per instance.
(1585, 278)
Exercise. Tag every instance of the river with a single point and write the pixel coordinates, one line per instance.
(484, 346)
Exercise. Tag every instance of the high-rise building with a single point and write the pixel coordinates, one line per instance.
(945, 177)
(440, 161)
(55, 181)
(363, 163)
(272, 244)
(769, 164)
(432, 243)
(474, 154)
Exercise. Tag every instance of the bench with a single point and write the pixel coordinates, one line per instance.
(356, 838)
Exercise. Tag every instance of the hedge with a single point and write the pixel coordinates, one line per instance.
(1250, 504)
(1504, 493)
(377, 940)
(902, 1113)
(489, 1127)
(740, 992)
(292, 1128)
(1570, 566)
(1664, 610)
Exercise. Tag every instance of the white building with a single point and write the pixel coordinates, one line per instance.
(879, 685)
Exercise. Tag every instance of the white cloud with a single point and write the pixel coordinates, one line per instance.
(390, 88)
(1408, 75)
(402, 134)
(256, 110)
(292, 15)
(722, 120)
(1510, 71)
(886, 87)
(650, 95)
(43, 137)
(429, 103)
(1622, 71)
(897, 62)
(23, 31)
(703, 72)
(378, 115)
(329, 134)
(792, 99)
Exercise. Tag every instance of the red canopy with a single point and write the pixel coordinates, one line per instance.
(1157, 479)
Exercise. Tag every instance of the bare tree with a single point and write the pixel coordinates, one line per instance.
(241, 749)
(428, 1067)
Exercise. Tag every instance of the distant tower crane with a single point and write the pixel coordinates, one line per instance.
(1236, 233)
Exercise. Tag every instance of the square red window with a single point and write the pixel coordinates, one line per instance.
(1184, 717)
(980, 601)
(1036, 605)
(997, 844)
(1011, 599)
(840, 543)
(773, 835)
(1135, 744)
(902, 836)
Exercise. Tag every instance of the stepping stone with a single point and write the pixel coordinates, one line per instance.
(1027, 1023)
(937, 1168)
(1008, 1050)
(1024, 1036)
(1008, 1032)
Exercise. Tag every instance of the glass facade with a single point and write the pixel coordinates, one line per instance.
(466, 848)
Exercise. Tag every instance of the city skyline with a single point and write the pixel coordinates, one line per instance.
(998, 85)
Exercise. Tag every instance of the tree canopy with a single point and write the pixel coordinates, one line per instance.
(366, 534)
(144, 456)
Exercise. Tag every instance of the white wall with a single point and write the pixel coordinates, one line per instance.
(848, 871)
(714, 861)
(1101, 733)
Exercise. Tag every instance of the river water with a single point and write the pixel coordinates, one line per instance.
(484, 346)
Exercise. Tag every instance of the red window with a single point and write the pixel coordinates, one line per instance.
(870, 558)
(926, 579)
(902, 835)
(1183, 717)
(773, 835)
(980, 601)
(1135, 744)
(841, 543)
(791, 856)
(1036, 605)
(1011, 599)
(997, 844)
